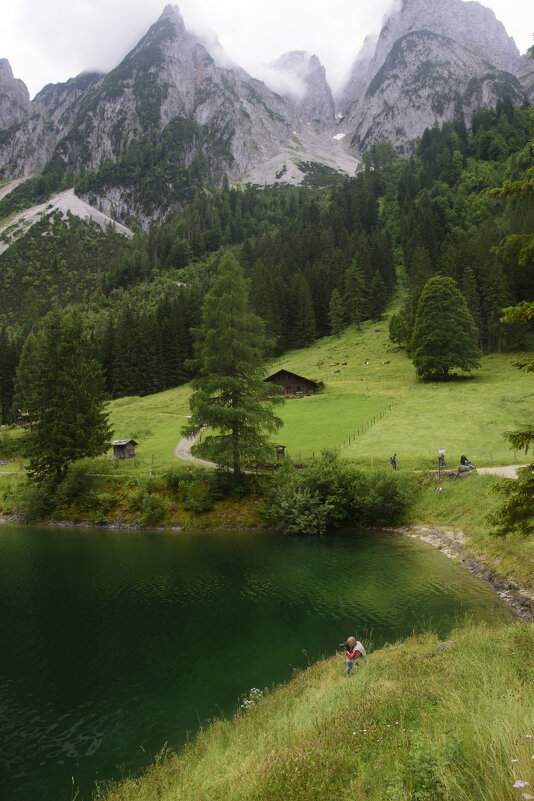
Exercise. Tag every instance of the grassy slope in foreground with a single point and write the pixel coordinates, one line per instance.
(468, 415)
(415, 724)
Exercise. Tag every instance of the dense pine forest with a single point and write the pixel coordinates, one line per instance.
(317, 259)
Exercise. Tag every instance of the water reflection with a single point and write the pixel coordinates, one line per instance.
(114, 644)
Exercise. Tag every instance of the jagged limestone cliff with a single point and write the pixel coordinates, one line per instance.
(14, 98)
(175, 113)
(432, 60)
(306, 86)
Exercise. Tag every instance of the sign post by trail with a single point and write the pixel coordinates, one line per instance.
(441, 463)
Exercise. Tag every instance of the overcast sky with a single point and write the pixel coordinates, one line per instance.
(47, 41)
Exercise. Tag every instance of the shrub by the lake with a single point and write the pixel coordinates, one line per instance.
(296, 510)
(331, 492)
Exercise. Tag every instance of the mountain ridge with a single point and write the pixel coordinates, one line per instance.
(176, 94)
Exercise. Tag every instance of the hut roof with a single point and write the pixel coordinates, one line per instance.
(293, 375)
(124, 442)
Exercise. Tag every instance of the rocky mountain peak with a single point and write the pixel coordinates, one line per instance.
(432, 60)
(301, 77)
(14, 97)
(467, 22)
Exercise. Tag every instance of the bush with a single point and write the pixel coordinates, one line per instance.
(149, 506)
(224, 484)
(331, 492)
(35, 502)
(13, 444)
(296, 510)
(178, 477)
(197, 497)
(75, 483)
(102, 504)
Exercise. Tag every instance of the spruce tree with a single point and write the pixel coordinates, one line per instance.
(517, 513)
(305, 328)
(444, 335)
(470, 293)
(377, 297)
(230, 397)
(60, 385)
(355, 294)
(336, 313)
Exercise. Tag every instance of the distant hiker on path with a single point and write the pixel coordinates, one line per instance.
(464, 462)
(353, 650)
(393, 460)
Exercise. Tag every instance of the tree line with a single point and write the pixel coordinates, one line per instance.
(317, 260)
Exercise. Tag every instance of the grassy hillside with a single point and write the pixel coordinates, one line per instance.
(402, 728)
(383, 397)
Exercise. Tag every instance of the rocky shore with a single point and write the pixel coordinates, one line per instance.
(453, 545)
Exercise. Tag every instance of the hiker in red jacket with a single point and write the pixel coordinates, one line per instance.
(354, 650)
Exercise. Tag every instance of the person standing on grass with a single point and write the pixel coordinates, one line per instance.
(354, 650)
(393, 460)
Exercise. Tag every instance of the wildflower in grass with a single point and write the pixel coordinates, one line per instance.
(515, 760)
(519, 784)
(528, 736)
(527, 797)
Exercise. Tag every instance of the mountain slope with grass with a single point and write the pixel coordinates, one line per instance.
(401, 728)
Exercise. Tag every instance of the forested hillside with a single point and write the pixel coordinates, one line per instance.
(316, 258)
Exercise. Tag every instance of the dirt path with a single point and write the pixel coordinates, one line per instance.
(183, 451)
(508, 471)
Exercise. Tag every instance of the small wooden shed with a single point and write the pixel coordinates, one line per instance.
(124, 448)
(293, 384)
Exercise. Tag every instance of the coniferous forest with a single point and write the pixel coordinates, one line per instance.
(317, 258)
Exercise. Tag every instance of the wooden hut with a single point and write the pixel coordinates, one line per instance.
(124, 448)
(293, 384)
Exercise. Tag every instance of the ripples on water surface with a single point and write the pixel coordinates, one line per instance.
(112, 645)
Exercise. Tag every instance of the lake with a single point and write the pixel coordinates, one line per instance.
(115, 644)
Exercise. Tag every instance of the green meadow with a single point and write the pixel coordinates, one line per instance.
(401, 728)
(155, 422)
(372, 405)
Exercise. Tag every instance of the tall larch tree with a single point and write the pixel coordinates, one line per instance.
(230, 397)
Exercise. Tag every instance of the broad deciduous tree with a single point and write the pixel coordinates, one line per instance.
(444, 335)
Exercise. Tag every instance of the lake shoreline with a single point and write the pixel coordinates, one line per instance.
(451, 543)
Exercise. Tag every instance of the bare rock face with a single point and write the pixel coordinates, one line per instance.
(33, 141)
(525, 75)
(306, 87)
(56, 102)
(170, 74)
(433, 59)
(178, 94)
(14, 97)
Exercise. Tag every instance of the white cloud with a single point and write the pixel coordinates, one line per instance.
(54, 40)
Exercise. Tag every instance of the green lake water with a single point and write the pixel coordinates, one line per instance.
(115, 644)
